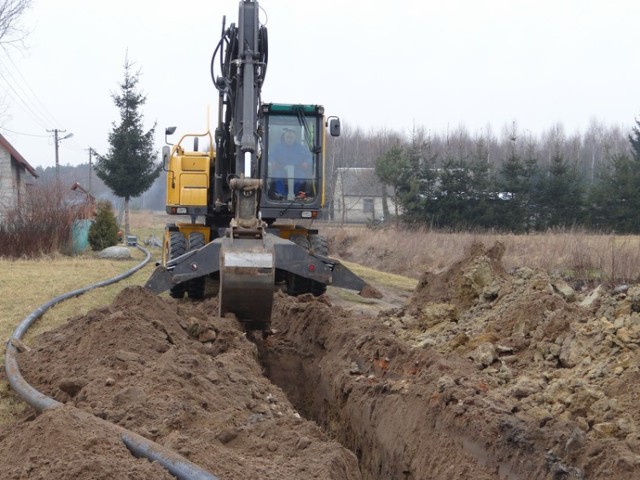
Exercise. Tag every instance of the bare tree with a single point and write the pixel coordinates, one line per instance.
(11, 32)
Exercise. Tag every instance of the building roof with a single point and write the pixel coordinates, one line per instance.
(16, 156)
(361, 182)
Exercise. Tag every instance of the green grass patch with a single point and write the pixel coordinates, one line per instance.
(349, 296)
(383, 279)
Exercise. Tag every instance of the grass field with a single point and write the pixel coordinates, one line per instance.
(27, 284)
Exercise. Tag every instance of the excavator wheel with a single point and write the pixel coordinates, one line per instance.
(297, 285)
(177, 247)
(195, 287)
(319, 246)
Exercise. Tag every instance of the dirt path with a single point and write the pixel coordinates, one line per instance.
(480, 374)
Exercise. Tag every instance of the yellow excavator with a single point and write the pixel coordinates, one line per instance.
(245, 198)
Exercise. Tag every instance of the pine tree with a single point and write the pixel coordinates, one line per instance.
(104, 231)
(454, 191)
(129, 168)
(393, 169)
(481, 212)
(615, 198)
(561, 198)
(512, 191)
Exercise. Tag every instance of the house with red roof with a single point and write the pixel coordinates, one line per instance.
(16, 175)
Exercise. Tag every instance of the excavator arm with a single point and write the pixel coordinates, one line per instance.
(234, 243)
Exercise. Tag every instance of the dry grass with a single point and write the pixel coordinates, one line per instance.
(27, 284)
(576, 255)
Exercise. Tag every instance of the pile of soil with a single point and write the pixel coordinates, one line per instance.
(484, 374)
(176, 374)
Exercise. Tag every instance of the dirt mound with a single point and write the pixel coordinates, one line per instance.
(475, 277)
(184, 378)
(58, 444)
(564, 368)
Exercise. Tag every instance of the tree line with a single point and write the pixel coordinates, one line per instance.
(517, 183)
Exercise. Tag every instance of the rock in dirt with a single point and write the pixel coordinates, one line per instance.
(484, 355)
(115, 253)
(370, 292)
(72, 386)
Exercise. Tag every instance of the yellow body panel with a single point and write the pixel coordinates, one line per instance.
(193, 196)
(194, 164)
(188, 179)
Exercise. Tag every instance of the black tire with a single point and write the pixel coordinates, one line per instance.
(195, 287)
(177, 247)
(297, 285)
(319, 246)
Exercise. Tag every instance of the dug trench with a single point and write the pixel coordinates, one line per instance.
(387, 403)
(482, 375)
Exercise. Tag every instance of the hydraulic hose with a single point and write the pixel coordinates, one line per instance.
(139, 446)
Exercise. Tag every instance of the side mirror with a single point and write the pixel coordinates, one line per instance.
(334, 127)
(166, 153)
(168, 131)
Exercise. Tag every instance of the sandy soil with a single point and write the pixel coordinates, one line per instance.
(482, 374)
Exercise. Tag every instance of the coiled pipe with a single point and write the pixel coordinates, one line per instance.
(139, 446)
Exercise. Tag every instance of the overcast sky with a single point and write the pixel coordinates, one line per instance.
(376, 64)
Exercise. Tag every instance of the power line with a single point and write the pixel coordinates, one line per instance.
(26, 98)
(35, 96)
(25, 134)
(30, 111)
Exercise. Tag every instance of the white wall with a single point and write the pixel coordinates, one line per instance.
(7, 181)
(351, 209)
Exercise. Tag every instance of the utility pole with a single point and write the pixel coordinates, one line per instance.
(57, 145)
(90, 169)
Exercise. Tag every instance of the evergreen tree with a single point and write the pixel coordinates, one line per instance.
(454, 192)
(481, 212)
(531, 182)
(422, 157)
(129, 168)
(615, 197)
(561, 200)
(393, 169)
(512, 189)
(103, 232)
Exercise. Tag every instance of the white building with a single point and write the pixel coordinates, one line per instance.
(15, 176)
(359, 196)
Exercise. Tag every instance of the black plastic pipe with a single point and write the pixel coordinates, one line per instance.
(139, 446)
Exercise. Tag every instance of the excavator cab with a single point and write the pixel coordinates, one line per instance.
(293, 161)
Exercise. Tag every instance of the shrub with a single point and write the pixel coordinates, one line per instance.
(41, 225)
(104, 231)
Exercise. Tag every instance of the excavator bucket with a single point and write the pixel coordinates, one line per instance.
(247, 275)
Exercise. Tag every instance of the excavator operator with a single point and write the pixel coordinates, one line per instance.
(291, 168)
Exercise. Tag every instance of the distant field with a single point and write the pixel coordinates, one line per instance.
(576, 255)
